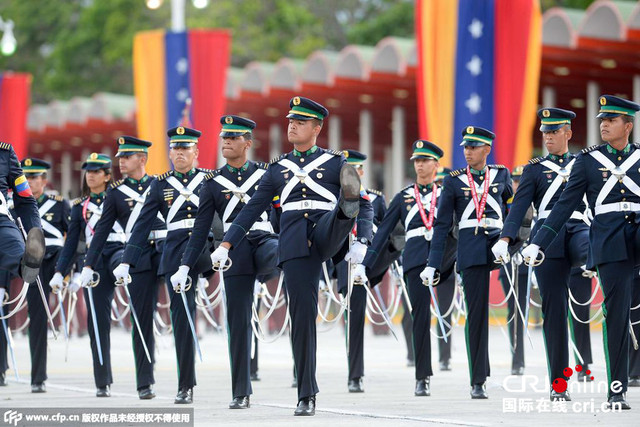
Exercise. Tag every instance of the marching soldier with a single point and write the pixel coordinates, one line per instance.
(358, 293)
(226, 191)
(415, 208)
(320, 197)
(54, 217)
(175, 195)
(542, 183)
(19, 258)
(609, 174)
(85, 213)
(476, 197)
(123, 205)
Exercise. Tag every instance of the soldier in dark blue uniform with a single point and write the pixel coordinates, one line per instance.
(226, 191)
(518, 274)
(54, 217)
(320, 197)
(123, 205)
(609, 175)
(19, 258)
(85, 213)
(359, 293)
(415, 207)
(475, 199)
(175, 195)
(543, 181)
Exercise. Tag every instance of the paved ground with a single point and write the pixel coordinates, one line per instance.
(388, 399)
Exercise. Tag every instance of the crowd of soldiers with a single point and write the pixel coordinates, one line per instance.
(573, 217)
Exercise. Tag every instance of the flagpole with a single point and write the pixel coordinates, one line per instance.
(178, 23)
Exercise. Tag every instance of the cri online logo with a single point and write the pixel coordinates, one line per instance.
(560, 384)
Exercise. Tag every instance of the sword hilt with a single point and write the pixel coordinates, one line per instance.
(187, 286)
(123, 281)
(539, 259)
(95, 279)
(227, 265)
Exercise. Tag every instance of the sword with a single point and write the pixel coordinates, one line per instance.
(517, 303)
(94, 319)
(381, 308)
(64, 324)
(40, 288)
(137, 322)
(188, 313)
(7, 334)
(396, 267)
(634, 340)
(349, 292)
(437, 310)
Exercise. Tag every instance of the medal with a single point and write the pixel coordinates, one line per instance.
(428, 222)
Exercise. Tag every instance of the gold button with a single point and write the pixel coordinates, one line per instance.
(481, 177)
(306, 215)
(301, 160)
(239, 178)
(619, 157)
(188, 215)
(189, 233)
(622, 191)
(484, 215)
(561, 161)
(152, 241)
(185, 180)
(98, 200)
(304, 195)
(304, 189)
(139, 188)
(188, 208)
(624, 199)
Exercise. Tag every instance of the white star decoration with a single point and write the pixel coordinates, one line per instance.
(182, 66)
(475, 65)
(476, 28)
(182, 94)
(473, 103)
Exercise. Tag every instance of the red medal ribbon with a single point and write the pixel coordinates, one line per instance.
(485, 192)
(428, 223)
(85, 205)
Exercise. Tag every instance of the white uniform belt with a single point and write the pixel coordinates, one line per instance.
(117, 237)
(308, 205)
(617, 207)
(575, 215)
(158, 234)
(4, 210)
(483, 223)
(259, 226)
(53, 241)
(179, 225)
(419, 232)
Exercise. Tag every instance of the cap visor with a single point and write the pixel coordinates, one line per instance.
(95, 167)
(607, 115)
(550, 128)
(32, 174)
(422, 156)
(231, 134)
(472, 143)
(182, 144)
(299, 117)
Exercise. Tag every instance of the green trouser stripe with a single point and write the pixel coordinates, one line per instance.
(466, 332)
(605, 339)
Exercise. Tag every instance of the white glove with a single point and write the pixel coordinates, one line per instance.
(501, 251)
(530, 253)
(356, 253)
(219, 257)
(56, 283)
(360, 274)
(74, 284)
(86, 276)
(3, 291)
(179, 279)
(428, 274)
(121, 273)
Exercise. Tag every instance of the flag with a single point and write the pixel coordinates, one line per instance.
(15, 97)
(180, 78)
(479, 65)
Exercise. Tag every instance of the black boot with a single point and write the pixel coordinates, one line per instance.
(184, 396)
(618, 401)
(350, 186)
(240, 402)
(479, 391)
(306, 407)
(103, 391)
(423, 387)
(34, 249)
(38, 388)
(355, 385)
(146, 393)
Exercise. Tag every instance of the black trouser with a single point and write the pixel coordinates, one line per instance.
(407, 329)
(553, 281)
(144, 296)
(358, 305)
(634, 355)
(475, 282)
(184, 340)
(445, 292)
(513, 315)
(301, 278)
(580, 288)
(421, 316)
(102, 298)
(38, 321)
(239, 292)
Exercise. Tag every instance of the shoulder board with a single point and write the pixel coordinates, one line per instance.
(335, 152)
(205, 170)
(536, 160)
(78, 201)
(116, 183)
(277, 159)
(5, 146)
(498, 166)
(165, 175)
(211, 175)
(58, 198)
(457, 172)
(262, 165)
(370, 190)
(590, 149)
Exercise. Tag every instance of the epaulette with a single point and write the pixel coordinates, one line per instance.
(5, 146)
(116, 183)
(590, 149)
(536, 160)
(165, 175)
(211, 174)
(262, 165)
(58, 198)
(277, 159)
(78, 201)
(335, 152)
(457, 172)
(370, 190)
(498, 166)
(205, 170)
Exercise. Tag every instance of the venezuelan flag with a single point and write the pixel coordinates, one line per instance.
(15, 96)
(22, 186)
(169, 69)
(479, 65)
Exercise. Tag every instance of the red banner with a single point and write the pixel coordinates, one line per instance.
(15, 96)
